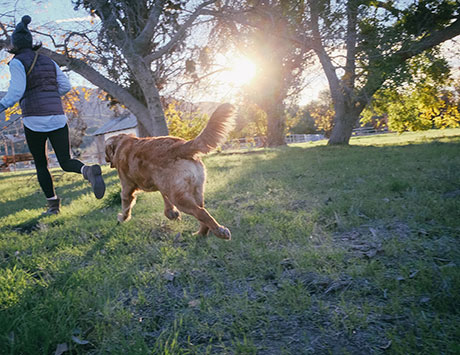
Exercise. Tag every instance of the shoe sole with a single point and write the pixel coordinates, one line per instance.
(99, 185)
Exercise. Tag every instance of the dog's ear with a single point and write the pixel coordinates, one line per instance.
(110, 152)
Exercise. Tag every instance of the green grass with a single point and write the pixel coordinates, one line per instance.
(335, 250)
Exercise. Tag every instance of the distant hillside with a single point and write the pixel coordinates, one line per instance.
(205, 107)
(94, 111)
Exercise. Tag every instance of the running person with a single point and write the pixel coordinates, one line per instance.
(38, 83)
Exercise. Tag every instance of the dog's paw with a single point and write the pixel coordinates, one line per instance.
(122, 219)
(223, 233)
(172, 214)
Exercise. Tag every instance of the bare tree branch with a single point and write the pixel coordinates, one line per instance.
(4, 30)
(96, 78)
(147, 33)
(200, 78)
(179, 34)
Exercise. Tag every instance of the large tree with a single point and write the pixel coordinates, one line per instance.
(362, 44)
(263, 30)
(131, 51)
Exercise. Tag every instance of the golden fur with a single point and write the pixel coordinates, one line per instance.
(172, 166)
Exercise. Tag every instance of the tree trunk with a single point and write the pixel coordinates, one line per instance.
(157, 118)
(152, 123)
(276, 125)
(143, 131)
(344, 121)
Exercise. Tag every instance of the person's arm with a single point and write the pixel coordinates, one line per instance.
(62, 81)
(17, 86)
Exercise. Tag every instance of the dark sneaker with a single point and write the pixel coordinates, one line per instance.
(94, 175)
(53, 207)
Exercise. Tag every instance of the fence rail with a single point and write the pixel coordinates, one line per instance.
(303, 138)
(364, 131)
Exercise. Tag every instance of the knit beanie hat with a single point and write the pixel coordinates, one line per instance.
(22, 38)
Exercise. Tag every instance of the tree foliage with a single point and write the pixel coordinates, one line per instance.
(322, 112)
(422, 107)
(186, 125)
(300, 121)
(422, 103)
(252, 122)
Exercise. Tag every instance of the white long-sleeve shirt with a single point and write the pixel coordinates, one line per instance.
(17, 88)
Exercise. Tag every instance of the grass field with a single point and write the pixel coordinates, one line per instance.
(335, 250)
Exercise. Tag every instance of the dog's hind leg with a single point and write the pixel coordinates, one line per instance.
(199, 199)
(187, 204)
(204, 230)
(171, 212)
(128, 200)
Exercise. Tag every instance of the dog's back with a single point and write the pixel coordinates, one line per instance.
(162, 149)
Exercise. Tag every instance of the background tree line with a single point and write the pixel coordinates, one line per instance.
(379, 58)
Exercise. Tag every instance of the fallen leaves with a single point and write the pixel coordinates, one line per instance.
(194, 303)
(386, 346)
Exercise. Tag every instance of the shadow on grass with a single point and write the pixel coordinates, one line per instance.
(67, 192)
(62, 299)
(7, 175)
(258, 199)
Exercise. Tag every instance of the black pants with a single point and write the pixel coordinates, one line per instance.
(61, 144)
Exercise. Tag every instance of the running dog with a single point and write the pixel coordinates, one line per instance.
(172, 166)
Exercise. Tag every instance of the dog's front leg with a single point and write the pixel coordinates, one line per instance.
(128, 200)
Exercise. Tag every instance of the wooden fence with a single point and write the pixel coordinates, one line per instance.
(8, 160)
(365, 131)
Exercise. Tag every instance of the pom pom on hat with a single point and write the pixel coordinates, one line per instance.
(26, 19)
(22, 38)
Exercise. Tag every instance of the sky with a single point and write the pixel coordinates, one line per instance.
(43, 11)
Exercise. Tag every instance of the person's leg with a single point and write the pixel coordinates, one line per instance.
(61, 144)
(37, 146)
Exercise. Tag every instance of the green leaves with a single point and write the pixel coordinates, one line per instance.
(182, 124)
(416, 99)
(426, 16)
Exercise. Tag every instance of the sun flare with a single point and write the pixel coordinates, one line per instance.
(241, 71)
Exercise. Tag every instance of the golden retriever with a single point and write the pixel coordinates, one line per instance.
(172, 166)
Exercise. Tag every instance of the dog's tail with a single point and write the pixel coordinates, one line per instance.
(215, 133)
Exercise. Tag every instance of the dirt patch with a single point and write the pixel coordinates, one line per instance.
(367, 239)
